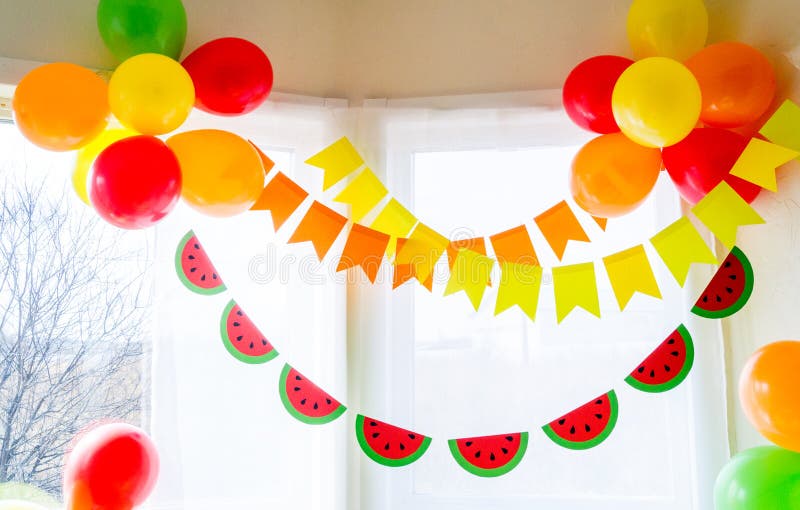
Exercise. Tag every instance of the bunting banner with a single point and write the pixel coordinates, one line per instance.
(723, 211)
(396, 221)
(320, 226)
(476, 244)
(514, 247)
(405, 272)
(575, 286)
(470, 273)
(281, 197)
(364, 248)
(337, 161)
(759, 162)
(783, 127)
(519, 286)
(630, 272)
(560, 226)
(680, 245)
(421, 251)
(362, 194)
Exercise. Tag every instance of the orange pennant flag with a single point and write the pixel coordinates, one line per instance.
(476, 244)
(422, 250)
(514, 247)
(321, 226)
(405, 272)
(281, 196)
(559, 226)
(365, 247)
(601, 222)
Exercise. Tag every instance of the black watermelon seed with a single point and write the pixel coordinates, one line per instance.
(316, 406)
(373, 424)
(729, 290)
(675, 353)
(263, 342)
(509, 438)
(468, 443)
(562, 421)
(504, 450)
(667, 369)
(239, 338)
(214, 275)
(298, 378)
(297, 388)
(412, 436)
(191, 257)
(236, 324)
(491, 456)
(375, 435)
(328, 401)
(239, 313)
(652, 373)
(598, 416)
(727, 263)
(719, 299)
(386, 447)
(196, 246)
(588, 428)
(251, 345)
(203, 278)
(671, 341)
(732, 277)
(599, 402)
(478, 454)
(705, 299)
(192, 270)
(641, 370)
(572, 430)
(402, 447)
(303, 402)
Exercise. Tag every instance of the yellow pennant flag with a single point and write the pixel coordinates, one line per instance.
(723, 211)
(758, 163)
(470, 274)
(421, 251)
(519, 286)
(575, 286)
(395, 221)
(630, 272)
(783, 127)
(362, 194)
(680, 245)
(338, 160)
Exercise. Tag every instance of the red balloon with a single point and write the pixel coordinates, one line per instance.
(704, 159)
(231, 76)
(587, 92)
(135, 182)
(113, 466)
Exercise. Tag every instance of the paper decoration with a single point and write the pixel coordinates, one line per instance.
(586, 426)
(476, 244)
(559, 226)
(321, 226)
(601, 222)
(489, 456)
(241, 337)
(421, 251)
(337, 161)
(281, 197)
(759, 162)
(729, 289)
(470, 274)
(265, 160)
(519, 286)
(514, 247)
(723, 211)
(667, 366)
(306, 401)
(680, 245)
(629, 272)
(389, 445)
(194, 268)
(364, 247)
(396, 221)
(783, 128)
(575, 286)
(405, 272)
(362, 194)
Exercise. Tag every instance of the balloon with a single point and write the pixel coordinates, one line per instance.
(611, 175)
(61, 107)
(133, 27)
(737, 81)
(151, 94)
(587, 92)
(667, 28)
(703, 160)
(764, 478)
(114, 466)
(768, 393)
(657, 102)
(87, 155)
(135, 182)
(222, 173)
(231, 76)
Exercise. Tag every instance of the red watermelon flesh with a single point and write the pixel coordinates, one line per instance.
(242, 338)
(490, 456)
(667, 366)
(729, 290)
(195, 269)
(305, 400)
(586, 426)
(389, 445)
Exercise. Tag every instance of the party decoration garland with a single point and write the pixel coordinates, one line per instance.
(667, 366)
(389, 445)
(587, 426)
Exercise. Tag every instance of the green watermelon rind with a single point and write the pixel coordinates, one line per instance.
(226, 341)
(322, 420)
(679, 377)
(490, 473)
(586, 445)
(372, 454)
(743, 299)
(182, 276)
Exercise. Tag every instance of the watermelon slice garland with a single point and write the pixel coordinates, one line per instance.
(667, 366)
(389, 445)
(195, 269)
(242, 338)
(586, 426)
(729, 290)
(305, 400)
(489, 456)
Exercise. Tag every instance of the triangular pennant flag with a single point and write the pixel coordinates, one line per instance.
(338, 160)
(759, 161)
(630, 272)
(680, 245)
(783, 127)
(422, 250)
(514, 247)
(405, 272)
(723, 211)
(364, 247)
(281, 197)
(362, 194)
(575, 286)
(559, 226)
(519, 286)
(470, 274)
(267, 163)
(601, 222)
(396, 221)
(321, 226)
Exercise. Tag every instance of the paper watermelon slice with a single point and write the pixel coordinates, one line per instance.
(242, 338)
(489, 456)
(729, 290)
(586, 426)
(195, 269)
(667, 366)
(305, 400)
(389, 445)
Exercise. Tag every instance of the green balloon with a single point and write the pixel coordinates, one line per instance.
(133, 27)
(765, 478)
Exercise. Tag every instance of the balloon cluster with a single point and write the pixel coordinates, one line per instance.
(132, 178)
(674, 108)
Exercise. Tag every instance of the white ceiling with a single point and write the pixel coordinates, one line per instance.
(392, 48)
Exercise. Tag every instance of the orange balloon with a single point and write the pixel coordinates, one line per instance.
(61, 107)
(737, 82)
(222, 173)
(612, 175)
(768, 393)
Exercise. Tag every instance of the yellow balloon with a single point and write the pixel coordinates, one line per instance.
(151, 94)
(657, 102)
(667, 28)
(87, 155)
(222, 173)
